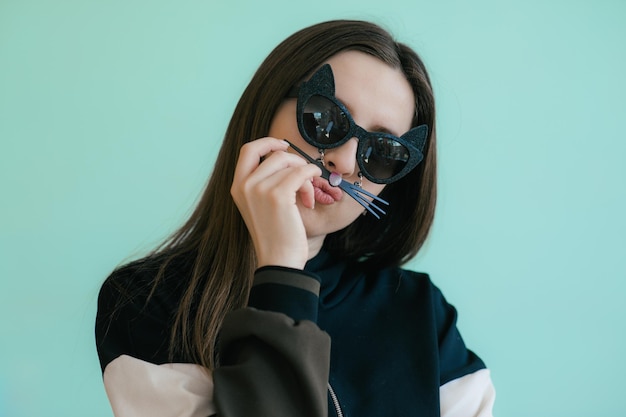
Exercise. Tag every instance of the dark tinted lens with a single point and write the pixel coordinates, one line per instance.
(324, 122)
(384, 157)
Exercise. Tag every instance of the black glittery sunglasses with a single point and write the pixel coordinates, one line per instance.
(324, 122)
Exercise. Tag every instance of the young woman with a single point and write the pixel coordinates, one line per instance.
(282, 294)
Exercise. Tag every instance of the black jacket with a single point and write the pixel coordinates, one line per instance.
(394, 341)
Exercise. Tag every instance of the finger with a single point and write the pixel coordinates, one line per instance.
(251, 154)
(307, 194)
(285, 183)
(274, 163)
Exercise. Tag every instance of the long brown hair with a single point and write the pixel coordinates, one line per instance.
(215, 235)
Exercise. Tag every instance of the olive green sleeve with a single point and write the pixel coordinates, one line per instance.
(271, 364)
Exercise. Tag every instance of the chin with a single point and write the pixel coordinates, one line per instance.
(323, 220)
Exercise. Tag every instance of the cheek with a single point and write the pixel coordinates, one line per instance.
(283, 124)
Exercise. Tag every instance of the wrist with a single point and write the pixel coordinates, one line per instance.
(290, 291)
(282, 259)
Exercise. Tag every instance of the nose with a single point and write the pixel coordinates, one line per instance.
(342, 159)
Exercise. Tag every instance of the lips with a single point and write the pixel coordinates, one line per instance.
(324, 192)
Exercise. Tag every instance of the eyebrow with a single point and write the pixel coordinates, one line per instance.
(382, 129)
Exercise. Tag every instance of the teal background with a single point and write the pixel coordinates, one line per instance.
(111, 113)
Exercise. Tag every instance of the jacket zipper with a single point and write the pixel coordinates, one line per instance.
(333, 396)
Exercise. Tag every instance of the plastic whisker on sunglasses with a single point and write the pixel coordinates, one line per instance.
(353, 190)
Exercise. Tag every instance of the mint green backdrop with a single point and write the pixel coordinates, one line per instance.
(111, 113)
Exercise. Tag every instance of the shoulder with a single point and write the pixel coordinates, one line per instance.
(413, 284)
(422, 284)
(140, 280)
(130, 278)
(423, 290)
(412, 292)
(135, 307)
(456, 360)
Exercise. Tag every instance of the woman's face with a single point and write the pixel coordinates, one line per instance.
(379, 98)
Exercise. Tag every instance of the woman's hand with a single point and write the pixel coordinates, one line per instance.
(267, 185)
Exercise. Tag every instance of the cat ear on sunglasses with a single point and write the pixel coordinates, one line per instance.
(417, 137)
(322, 81)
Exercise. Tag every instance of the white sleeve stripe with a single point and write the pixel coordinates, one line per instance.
(137, 388)
(472, 395)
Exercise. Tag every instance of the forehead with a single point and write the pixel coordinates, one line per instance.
(376, 94)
